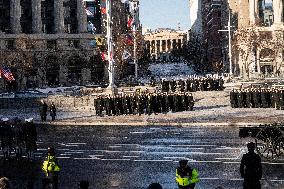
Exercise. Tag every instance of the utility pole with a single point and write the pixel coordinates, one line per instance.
(230, 45)
(110, 55)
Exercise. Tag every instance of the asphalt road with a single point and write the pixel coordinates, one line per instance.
(129, 157)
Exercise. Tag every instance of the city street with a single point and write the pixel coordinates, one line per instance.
(130, 157)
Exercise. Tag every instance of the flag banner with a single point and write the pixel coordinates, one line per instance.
(7, 74)
(99, 40)
(103, 6)
(105, 56)
(124, 1)
(93, 43)
(130, 21)
(126, 55)
(133, 8)
(129, 39)
(90, 11)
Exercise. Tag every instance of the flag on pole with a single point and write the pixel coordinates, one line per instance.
(124, 1)
(129, 39)
(89, 12)
(130, 21)
(103, 6)
(126, 55)
(7, 73)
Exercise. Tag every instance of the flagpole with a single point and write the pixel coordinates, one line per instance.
(134, 53)
(111, 85)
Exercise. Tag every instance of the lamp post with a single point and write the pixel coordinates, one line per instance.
(110, 55)
(230, 45)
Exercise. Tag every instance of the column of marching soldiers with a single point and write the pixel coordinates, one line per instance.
(257, 98)
(18, 138)
(175, 96)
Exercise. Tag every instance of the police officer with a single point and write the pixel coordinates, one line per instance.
(186, 177)
(51, 167)
(251, 169)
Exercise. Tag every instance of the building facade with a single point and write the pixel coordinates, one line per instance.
(258, 41)
(162, 42)
(55, 42)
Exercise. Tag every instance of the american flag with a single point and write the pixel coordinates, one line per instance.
(4, 71)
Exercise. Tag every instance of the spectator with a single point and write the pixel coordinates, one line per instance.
(52, 111)
(43, 110)
(4, 183)
(155, 186)
(251, 169)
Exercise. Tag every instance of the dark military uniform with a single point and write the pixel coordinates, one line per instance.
(43, 111)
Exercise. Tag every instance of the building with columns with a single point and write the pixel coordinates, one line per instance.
(258, 45)
(162, 42)
(47, 42)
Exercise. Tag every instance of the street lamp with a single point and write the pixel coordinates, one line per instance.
(110, 55)
(230, 47)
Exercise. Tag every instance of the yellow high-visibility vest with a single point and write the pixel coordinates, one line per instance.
(50, 165)
(185, 181)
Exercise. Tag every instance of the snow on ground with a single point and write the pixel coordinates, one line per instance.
(170, 69)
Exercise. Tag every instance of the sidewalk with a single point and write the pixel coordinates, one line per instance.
(211, 107)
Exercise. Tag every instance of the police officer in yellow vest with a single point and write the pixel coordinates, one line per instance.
(186, 177)
(51, 167)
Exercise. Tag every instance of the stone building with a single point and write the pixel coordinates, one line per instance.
(48, 43)
(258, 40)
(162, 42)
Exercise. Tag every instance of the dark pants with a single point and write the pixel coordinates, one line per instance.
(191, 186)
(251, 184)
(54, 180)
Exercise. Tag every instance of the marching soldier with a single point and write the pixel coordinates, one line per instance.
(233, 98)
(19, 137)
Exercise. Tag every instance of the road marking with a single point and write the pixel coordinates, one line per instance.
(77, 143)
(208, 178)
(115, 146)
(63, 157)
(115, 159)
(277, 180)
(157, 160)
(193, 145)
(227, 158)
(130, 156)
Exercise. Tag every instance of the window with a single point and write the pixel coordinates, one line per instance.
(10, 44)
(51, 44)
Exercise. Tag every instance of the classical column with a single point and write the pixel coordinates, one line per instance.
(15, 12)
(278, 11)
(36, 16)
(258, 60)
(156, 49)
(150, 48)
(58, 16)
(172, 44)
(81, 17)
(252, 12)
(161, 46)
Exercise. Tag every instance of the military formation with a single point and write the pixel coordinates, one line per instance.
(149, 103)
(257, 98)
(18, 138)
(193, 84)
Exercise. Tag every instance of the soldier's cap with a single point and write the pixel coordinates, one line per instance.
(29, 119)
(5, 119)
(183, 162)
